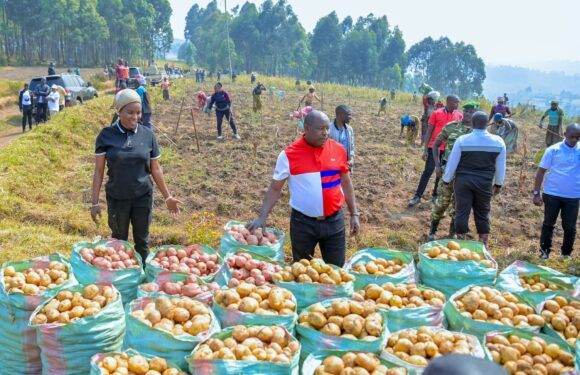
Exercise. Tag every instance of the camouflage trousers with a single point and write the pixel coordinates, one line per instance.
(445, 199)
(411, 134)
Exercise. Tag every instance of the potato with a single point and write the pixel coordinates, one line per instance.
(312, 271)
(390, 296)
(563, 315)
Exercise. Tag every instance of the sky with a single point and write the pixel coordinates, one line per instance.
(524, 33)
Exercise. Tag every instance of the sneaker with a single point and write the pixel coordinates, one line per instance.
(544, 254)
(237, 136)
(566, 257)
(414, 201)
(220, 138)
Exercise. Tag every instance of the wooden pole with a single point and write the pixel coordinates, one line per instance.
(195, 130)
(179, 116)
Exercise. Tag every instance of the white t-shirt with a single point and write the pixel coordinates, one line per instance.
(54, 98)
(563, 165)
(26, 98)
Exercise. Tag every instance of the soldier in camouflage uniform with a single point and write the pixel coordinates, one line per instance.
(445, 197)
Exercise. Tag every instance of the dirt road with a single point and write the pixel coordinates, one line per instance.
(26, 73)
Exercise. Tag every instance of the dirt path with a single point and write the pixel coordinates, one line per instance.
(8, 135)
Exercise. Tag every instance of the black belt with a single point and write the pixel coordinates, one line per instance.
(317, 218)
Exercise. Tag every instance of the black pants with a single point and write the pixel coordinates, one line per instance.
(329, 234)
(472, 192)
(220, 118)
(26, 116)
(427, 172)
(42, 112)
(553, 206)
(136, 212)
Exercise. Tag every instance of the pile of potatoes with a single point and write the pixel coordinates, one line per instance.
(360, 363)
(35, 280)
(490, 305)
(346, 318)
(419, 346)
(379, 267)
(257, 237)
(123, 363)
(263, 300)
(313, 271)
(536, 284)
(67, 306)
(400, 296)
(522, 356)
(178, 316)
(564, 317)
(190, 287)
(254, 343)
(453, 251)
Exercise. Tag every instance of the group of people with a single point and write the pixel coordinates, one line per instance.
(466, 152)
(200, 75)
(48, 103)
(121, 74)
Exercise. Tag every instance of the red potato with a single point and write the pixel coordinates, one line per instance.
(256, 238)
(190, 259)
(110, 258)
(244, 268)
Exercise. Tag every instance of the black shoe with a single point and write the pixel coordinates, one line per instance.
(414, 201)
(433, 199)
(544, 254)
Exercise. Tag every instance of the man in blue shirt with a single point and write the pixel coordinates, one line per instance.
(145, 103)
(342, 132)
(561, 190)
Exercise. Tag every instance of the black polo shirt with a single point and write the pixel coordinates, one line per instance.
(129, 154)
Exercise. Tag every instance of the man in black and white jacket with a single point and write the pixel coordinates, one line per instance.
(478, 163)
(25, 97)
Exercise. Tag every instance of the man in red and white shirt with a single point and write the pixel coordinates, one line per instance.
(317, 172)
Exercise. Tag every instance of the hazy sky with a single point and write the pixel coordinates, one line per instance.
(507, 32)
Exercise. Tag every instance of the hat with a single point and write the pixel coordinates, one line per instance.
(497, 116)
(554, 102)
(500, 99)
(54, 87)
(126, 96)
(434, 95)
(471, 105)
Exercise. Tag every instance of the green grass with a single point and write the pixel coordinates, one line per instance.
(9, 88)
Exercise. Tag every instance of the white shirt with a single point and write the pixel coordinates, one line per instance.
(54, 98)
(563, 165)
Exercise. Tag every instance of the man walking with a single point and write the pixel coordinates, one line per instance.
(561, 161)
(342, 132)
(25, 104)
(437, 121)
(445, 197)
(501, 108)
(507, 130)
(478, 163)
(257, 97)
(555, 116)
(146, 110)
(317, 172)
(42, 92)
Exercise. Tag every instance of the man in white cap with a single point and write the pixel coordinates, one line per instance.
(53, 101)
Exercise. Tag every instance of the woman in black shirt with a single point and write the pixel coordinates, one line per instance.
(132, 157)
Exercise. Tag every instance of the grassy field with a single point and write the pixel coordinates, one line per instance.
(45, 175)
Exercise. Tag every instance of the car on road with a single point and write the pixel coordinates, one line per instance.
(77, 91)
(154, 75)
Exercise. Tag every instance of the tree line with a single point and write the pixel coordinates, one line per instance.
(369, 51)
(83, 32)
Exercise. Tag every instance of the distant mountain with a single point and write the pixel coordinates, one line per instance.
(535, 87)
(565, 66)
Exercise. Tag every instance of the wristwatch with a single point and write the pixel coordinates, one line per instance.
(536, 192)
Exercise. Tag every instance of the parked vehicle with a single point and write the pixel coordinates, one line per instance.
(134, 76)
(76, 90)
(153, 74)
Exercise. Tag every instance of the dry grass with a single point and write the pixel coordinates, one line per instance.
(45, 176)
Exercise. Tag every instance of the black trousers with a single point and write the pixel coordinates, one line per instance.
(553, 205)
(472, 192)
(329, 234)
(26, 116)
(42, 112)
(136, 212)
(220, 118)
(427, 172)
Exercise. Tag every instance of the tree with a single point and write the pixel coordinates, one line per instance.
(325, 44)
(187, 53)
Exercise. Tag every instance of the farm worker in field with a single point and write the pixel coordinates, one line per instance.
(119, 73)
(437, 122)
(223, 105)
(555, 116)
(382, 106)
(410, 122)
(501, 107)
(53, 100)
(429, 106)
(25, 98)
(507, 129)
(165, 88)
(253, 78)
(478, 164)
(393, 93)
(257, 97)
(146, 109)
(201, 99)
(342, 132)
(561, 194)
(42, 91)
(131, 154)
(316, 168)
(445, 198)
(309, 97)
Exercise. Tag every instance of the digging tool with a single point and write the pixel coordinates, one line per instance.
(165, 135)
(179, 116)
(195, 129)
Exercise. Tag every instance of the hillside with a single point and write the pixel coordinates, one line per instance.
(45, 176)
